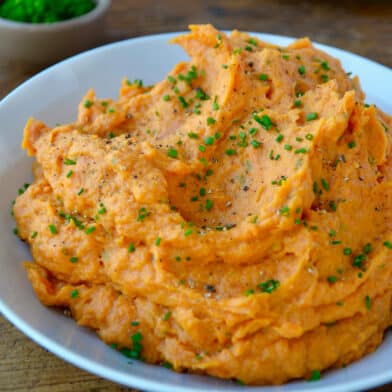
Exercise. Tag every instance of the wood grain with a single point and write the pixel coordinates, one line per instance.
(363, 27)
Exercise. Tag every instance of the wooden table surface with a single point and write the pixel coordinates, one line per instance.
(363, 27)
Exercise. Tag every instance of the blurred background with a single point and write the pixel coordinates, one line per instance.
(360, 26)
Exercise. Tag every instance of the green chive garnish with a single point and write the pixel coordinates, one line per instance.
(311, 116)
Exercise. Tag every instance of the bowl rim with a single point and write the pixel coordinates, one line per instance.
(100, 8)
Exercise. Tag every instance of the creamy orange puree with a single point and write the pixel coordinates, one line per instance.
(234, 219)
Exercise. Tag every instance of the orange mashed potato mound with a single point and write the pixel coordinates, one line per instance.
(234, 219)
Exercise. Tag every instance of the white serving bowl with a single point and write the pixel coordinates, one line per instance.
(45, 43)
(53, 96)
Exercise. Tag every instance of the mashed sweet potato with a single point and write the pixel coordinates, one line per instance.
(234, 219)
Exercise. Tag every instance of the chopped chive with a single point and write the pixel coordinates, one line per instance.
(332, 205)
(172, 153)
(336, 242)
(249, 292)
(209, 140)
(166, 97)
(288, 147)
(285, 56)
(325, 65)
(131, 247)
(202, 148)
(209, 204)
(279, 138)
(202, 192)
(252, 41)
(215, 105)
(230, 152)
(301, 70)
(143, 213)
(69, 174)
(34, 234)
(264, 121)
(269, 286)
(53, 229)
(90, 229)
(68, 161)
(387, 244)
(81, 190)
(183, 102)
(263, 77)
(73, 259)
(325, 184)
(272, 156)
(358, 260)
(219, 41)
(324, 78)
(102, 209)
(255, 144)
(351, 144)
(135, 323)
(87, 103)
(210, 121)
(297, 103)
(315, 376)
(171, 79)
(368, 302)
(347, 251)
(284, 211)
(301, 151)
(253, 131)
(188, 232)
(332, 279)
(167, 316)
(74, 293)
(309, 136)
(193, 135)
(201, 94)
(311, 116)
(157, 241)
(367, 248)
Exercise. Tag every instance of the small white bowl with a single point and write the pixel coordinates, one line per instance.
(45, 43)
